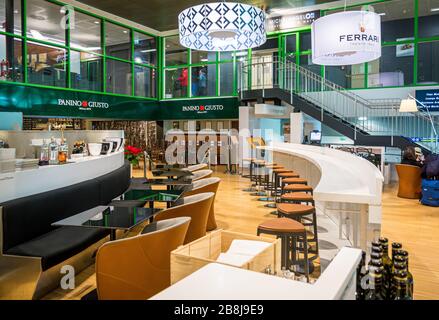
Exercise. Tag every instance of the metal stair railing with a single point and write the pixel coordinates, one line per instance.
(375, 117)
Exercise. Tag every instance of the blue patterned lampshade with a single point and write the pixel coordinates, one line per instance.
(222, 26)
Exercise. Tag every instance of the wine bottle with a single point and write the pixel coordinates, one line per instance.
(388, 264)
(401, 286)
(375, 291)
(395, 246)
(361, 278)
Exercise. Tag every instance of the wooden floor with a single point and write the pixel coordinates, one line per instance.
(406, 221)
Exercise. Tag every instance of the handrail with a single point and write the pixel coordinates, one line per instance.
(375, 116)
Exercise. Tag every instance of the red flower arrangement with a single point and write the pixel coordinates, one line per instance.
(132, 154)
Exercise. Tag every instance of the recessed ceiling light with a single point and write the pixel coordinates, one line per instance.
(125, 31)
(97, 22)
(382, 14)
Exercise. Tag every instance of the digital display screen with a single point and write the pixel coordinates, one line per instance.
(316, 136)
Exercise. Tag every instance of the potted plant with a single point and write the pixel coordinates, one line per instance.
(133, 154)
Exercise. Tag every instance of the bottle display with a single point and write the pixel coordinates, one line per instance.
(63, 152)
(53, 152)
(385, 278)
(44, 154)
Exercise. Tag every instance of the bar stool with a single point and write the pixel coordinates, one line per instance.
(276, 179)
(304, 214)
(290, 232)
(262, 179)
(297, 188)
(288, 181)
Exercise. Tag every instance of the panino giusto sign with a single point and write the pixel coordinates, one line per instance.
(202, 108)
(292, 21)
(83, 105)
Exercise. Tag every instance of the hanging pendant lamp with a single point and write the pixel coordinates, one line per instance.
(222, 26)
(346, 38)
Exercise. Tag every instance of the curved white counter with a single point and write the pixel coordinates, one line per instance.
(342, 182)
(28, 182)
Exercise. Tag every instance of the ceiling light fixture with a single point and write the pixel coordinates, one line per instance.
(222, 26)
(346, 38)
(434, 9)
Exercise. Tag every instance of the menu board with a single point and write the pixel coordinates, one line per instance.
(429, 98)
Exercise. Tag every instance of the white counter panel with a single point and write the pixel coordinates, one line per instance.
(25, 183)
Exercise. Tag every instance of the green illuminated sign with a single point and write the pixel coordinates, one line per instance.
(34, 101)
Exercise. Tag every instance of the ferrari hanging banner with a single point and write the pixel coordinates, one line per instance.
(346, 38)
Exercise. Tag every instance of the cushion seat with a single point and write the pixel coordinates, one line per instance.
(294, 209)
(281, 225)
(58, 245)
(297, 187)
(288, 175)
(294, 181)
(297, 196)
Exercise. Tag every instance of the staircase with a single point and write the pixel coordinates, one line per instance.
(367, 122)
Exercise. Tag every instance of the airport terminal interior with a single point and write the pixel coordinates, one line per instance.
(219, 150)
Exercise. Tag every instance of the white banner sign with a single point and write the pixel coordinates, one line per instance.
(346, 38)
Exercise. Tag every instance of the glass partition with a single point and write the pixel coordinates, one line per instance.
(47, 65)
(175, 53)
(176, 83)
(394, 68)
(225, 83)
(203, 82)
(10, 16)
(428, 18)
(145, 50)
(85, 33)
(145, 82)
(46, 21)
(85, 71)
(428, 63)
(118, 77)
(11, 54)
(117, 41)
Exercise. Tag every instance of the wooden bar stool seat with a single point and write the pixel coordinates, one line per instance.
(281, 170)
(294, 181)
(294, 209)
(280, 225)
(297, 188)
(297, 197)
(290, 174)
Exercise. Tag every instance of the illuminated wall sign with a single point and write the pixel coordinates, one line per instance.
(292, 21)
(430, 98)
(202, 108)
(346, 38)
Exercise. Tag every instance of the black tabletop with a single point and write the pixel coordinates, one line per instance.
(109, 217)
(151, 195)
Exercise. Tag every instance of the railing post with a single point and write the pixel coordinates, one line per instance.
(356, 119)
(263, 79)
(291, 84)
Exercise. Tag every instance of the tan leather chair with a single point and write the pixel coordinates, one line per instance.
(410, 181)
(197, 207)
(201, 174)
(197, 167)
(139, 267)
(206, 185)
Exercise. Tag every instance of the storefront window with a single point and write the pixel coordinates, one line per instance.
(46, 65)
(85, 71)
(11, 55)
(145, 49)
(226, 79)
(204, 81)
(397, 19)
(202, 56)
(10, 16)
(394, 68)
(118, 77)
(85, 33)
(117, 41)
(175, 54)
(226, 56)
(290, 44)
(46, 21)
(428, 18)
(176, 83)
(348, 77)
(305, 41)
(145, 82)
(305, 61)
(428, 63)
